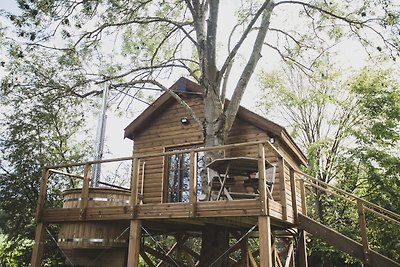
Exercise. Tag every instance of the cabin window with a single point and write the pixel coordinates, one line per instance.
(177, 182)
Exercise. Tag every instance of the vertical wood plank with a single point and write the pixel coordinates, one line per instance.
(262, 181)
(135, 185)
(38, 246)
(134, 243)
(301, 250)
(85, 190)
(264, 230)
(303, 197)
(363, 231)
(192, 184)
(42, 195)
(281, 171)
(294, 195)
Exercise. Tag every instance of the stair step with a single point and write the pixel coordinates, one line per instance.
(343, 243)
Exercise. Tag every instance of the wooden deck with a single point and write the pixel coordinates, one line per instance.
(140, 208)
(240, 213)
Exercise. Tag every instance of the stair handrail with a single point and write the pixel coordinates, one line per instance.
(376, 209)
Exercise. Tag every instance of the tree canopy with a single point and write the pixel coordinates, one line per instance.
(56, 53)
(142, 43)
(349, 128)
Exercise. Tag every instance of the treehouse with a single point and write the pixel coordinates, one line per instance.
(254, 190)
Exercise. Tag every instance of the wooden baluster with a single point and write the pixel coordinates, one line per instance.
(135, 185)
(294, 195)
(363, 231)
(303, 197)
(192, 184)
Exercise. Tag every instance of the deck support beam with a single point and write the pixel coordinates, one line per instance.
(134, 243)
(301, 249)
(264, 230)
(38, 246)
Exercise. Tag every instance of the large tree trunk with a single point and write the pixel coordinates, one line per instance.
(217, 123)
(215, 239)
(215, 242)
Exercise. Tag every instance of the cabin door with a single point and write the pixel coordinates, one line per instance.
(177, 176)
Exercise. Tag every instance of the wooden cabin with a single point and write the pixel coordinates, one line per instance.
(165, 127)
(255, 191)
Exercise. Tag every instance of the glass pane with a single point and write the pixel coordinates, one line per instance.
(179, 177)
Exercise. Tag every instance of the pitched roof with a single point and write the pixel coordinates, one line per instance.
(187, 86)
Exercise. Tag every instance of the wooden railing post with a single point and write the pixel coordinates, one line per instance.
(303, 197)
(363, 231)
(135, 232)
(135, 185)
(192, 184)
(294, 195)
(301, 248)
(282, 183)
(38, 246)
(262, 181)
(85, 190)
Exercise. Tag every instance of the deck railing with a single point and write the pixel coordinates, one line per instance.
(362, 206)
(137, 178)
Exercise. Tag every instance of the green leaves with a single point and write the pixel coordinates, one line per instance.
(40, 127)
(357, 149)
(379, 104)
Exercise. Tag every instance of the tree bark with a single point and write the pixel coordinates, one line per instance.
(215, 242)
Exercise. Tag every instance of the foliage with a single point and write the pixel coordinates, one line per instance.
(67, 47)
(38, 130)
(142, 43)
(356, 124)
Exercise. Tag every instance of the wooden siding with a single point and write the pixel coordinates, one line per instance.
(166, 131)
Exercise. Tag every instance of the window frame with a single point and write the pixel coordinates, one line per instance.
(166, 172)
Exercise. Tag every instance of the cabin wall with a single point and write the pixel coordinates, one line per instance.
(164, 132)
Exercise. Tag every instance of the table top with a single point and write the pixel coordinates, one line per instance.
(239, 166)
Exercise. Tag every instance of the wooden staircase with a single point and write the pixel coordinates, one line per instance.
(361, 251)
(344, 243)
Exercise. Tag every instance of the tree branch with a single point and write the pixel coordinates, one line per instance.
(267, 4)
(249, 68)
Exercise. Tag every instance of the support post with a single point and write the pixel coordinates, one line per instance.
(264, 231)
(192, 184)
(38, 246)
(135, 225)
(363, 231)
(37, 252)
(134, 243)
(262, 181)
(301, 249)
